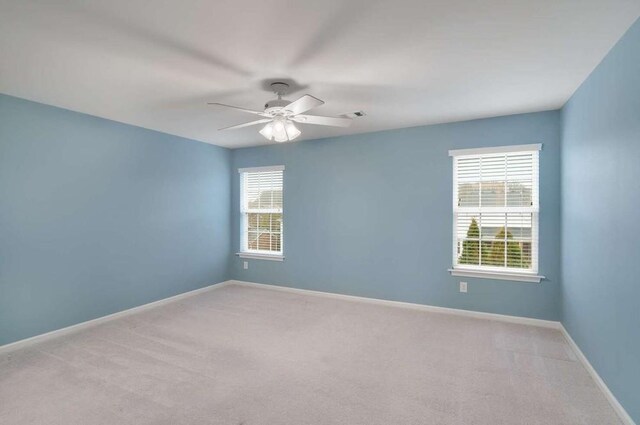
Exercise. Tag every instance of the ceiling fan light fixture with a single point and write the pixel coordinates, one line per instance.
(280, 130)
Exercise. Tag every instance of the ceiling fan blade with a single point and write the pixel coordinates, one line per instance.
(318, 120)
(251, 111)
(303, 104)
(247, 124)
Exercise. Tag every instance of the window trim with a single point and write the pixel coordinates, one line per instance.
(261, 169)
(259, 255)
(496, 149)
(500, 273)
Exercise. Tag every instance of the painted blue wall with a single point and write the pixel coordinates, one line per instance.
(371, 215)
(97, 217)
(601, 219)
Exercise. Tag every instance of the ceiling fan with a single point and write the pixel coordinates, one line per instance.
(279, 115)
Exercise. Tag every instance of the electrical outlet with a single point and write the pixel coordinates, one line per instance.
(245, 265)
(463, 287)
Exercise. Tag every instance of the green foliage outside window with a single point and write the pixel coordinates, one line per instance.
(493, 252)
(471, 248)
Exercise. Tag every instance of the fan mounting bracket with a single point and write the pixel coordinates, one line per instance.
(279, 88)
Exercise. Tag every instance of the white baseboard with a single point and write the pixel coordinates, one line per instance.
(83, 325)
(622, 414)
(413, 306)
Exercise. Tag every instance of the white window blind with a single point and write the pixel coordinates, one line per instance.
(495, 209)
(261, 208)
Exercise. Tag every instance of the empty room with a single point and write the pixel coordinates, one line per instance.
(338, 212)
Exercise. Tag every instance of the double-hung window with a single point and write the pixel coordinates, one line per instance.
(495, 212)
(261, 201)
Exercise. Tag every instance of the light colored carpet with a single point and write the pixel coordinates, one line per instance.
(243, 355)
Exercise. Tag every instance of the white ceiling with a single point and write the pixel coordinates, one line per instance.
(155, 63)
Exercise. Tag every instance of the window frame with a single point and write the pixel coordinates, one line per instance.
(245, 252)
(498, 272)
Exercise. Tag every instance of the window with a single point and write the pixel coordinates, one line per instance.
(261, 209)
(495, 212)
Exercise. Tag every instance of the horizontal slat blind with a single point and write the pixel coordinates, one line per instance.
(261, 207)
(262, 191)
(496, 208)
(497, 180)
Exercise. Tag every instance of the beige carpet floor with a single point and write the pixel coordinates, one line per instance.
(244, 355)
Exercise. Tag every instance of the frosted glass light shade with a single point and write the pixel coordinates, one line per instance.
(279, 131)
(267, 131)
(292, 130)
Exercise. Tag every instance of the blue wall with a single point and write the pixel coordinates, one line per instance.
(97, 217)
(371, 215)
(601, 219)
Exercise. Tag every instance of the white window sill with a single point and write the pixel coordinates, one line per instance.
(256, 256)
(484, 274)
